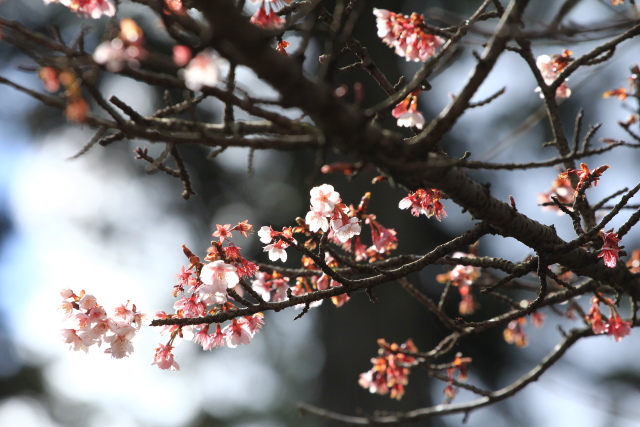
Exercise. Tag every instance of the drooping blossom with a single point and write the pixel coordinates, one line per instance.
(93, 8)
(550, 67)
(164, 358)
(407, 112)
(265, 17)
(617, 327)
(425, 202)
(610, 250)
(595, 319)
(237, 333)
(201, 71)
(407, 34)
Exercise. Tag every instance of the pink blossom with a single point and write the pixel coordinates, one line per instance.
(424, 201)
(164, 358)
(70, 336)
(550, 67)
(255, 322)
(317, 220)
(324, 199)
(66, 308)
(610, 250)
(190, 306)
(87, 302)
(204, 338)
(120, 345)
(266, 234)
(407, 34)
(66, 293)
(201, 71)
(218, 337)
(217, 277)
(617, 327)
(223, 232)
(267, 20)
(280, 286)
(181, 55)
(237, 333)
(347, 230)
(262, 285)
(92, 8)
(277, 250)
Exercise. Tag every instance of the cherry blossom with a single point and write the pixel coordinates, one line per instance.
(407, 111)
(277, 250)
(407, 34)
(610, 250)
(266, 19)
(93, 8)
(324, 199)
(201, 71)
(317, 220)
(345, 230)
(425, 202)
(237, 333)
(617, 327)
(164, 358)
(217, 276)
(550, 67)
(390, 370)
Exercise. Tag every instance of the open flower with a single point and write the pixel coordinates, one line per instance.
(550, 67)
(201, 71)
(217, 277)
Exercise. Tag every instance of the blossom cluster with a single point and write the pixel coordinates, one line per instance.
(407, 34)
(90, 324)
(204, 289)
(390, 371)
(425, 202)
(93, 8)
(614, 325)
(550, 67)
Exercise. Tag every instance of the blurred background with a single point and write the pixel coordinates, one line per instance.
(102, 224)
